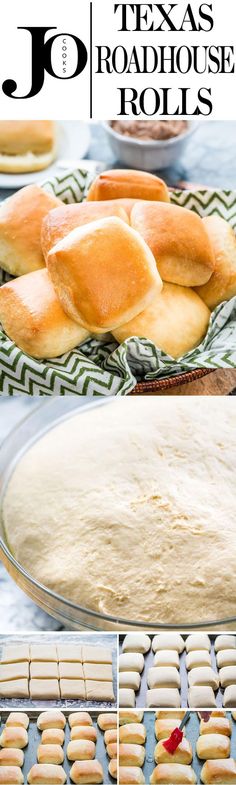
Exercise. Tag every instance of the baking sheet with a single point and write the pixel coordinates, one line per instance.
(35, 739)
(141, 695)
(191, 732)
(108, 640)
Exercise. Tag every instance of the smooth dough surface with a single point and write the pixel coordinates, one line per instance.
(17, 688)
(19, 653)
(70, 670)
(130, 679)
(163, 677)
(162, 696)
(72, 688)
(43, 670)
(197, 659)
(15, 670)
(226, 657)
(164, 727)
(99, 690)
(201, 697)
(67, 652)
(43, 652)
(44, 688)
(168, 640)
(203, 676)
(144, 467)
(225, 642)
(167, 657)
(229, 699)
(99, 654)
(131, 661)
(198, 640)
(97, 671)
(126, 697)
(136, 641)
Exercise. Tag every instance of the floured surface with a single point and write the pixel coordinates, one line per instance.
(129, 509)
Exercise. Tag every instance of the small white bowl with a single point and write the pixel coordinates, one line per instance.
(145, 155)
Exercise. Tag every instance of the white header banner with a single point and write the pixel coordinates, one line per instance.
(103, 59)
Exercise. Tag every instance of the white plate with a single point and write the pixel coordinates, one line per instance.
(73, 142)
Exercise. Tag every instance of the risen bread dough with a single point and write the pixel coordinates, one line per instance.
(136, 641)
(166, 657)
(130, 679)
(144, 476)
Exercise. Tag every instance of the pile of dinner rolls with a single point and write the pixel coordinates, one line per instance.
(125, 261)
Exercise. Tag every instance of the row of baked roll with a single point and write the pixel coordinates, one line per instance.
(131, 665)
(50, 753)
(214, 747)
(132, 739)
(13, 740)
(108, 723)
(126, 261)
(176, 767)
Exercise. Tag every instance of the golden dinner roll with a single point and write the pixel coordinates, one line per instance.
(21, 219)
(51, 719)
(53, 736)
(14, 737)
(112, 768)
(222, 284)
(131, 754)
(81, 749)
(46, 774)
(176, 321)
(172, 773)
(216, 725)
(11, 757)
(107, 721)
(17, 718)
(33, 317)
(112, 750)
(183, 753)
(110, 736)
(219, 771)
(130, 715)
(50, 753)
(128, 183)
(131, 775)
(11, 775)
(178, 240)
(164, 727)
(86, 771)
(170, 714)
(132, 733)
(103, 273)
(213, 745)
(62, 220)
(79, 718)
(26, 145)
(83, 732)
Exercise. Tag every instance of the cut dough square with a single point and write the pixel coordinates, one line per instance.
(225, 642)
(11, 775)
(203, 676)
(126, 697)
(11, 757)
(68, 652)
(130, 715)
(43, 652)
(18, 688)
(17, 738)
(197, 659)
(18, 719)
(79, 718)
(50, 753)
(99, 690)
(161, 697)
(183, 753)
(108, 721)
(132, 733)
(70, 670)
(227, 675)
(164, 728)
(201, 698)
(136, 641)
(131, 754)
(87, 732)
(86, 771)
(53, 736)
(212, 746)
(15, 653)
(173, 773)
(43, 670)
(51, 719)
(198, 640)
(131, 775)
(81, 749)
(229, 699)
(72, 688)
(168, 657)
(46, 774)
(219, 725)
(97, 672)
(226, 657)
(97, 654)
(168, 640)
(47, 689)
(130, 679)
(221, 771)
(163, 677)
(131, 661)
(15, 670)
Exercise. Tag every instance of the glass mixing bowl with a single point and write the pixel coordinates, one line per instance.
(44, 417)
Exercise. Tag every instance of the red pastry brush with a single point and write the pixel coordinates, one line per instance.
(176, 736)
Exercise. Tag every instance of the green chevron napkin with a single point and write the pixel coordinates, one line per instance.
(101, 366)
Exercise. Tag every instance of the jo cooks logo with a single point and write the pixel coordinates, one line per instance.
(63, 56)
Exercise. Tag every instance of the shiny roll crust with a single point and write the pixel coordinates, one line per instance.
(128, 183)
(21, 219)
(222, 284)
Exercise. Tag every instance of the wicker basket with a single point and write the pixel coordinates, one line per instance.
(157, 385)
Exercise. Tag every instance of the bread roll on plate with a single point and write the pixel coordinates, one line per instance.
(131, 775)
(183, 753)
(212, 746)
(26, 145)
(11, 775)
(33, 318)
(46, 774)
(175, 321)
(86, 771)
(222, 284)
(21, 219)
(178, 240)
(128, 183)
(104, 274)
(58, 223)
(219, 771)
(173, 773)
